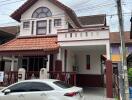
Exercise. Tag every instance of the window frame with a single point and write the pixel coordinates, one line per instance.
(41, 12)
(88, 64)
(58, 22)
(37, 27)
(26, 24)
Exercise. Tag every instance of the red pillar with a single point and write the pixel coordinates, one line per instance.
(109, 79)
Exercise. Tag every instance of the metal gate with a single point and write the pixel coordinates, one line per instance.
(116, 90)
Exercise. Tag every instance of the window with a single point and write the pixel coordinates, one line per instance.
(37, 86)
(41, 27)
(26, 24)
(50, 26)
(62, 84)
(88, 62)
(115, 50)
(41, 12)
(57, 22)
(20, 87)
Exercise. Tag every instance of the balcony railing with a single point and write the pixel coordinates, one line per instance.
(83, 34)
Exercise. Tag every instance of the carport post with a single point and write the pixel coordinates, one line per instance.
(109, 78)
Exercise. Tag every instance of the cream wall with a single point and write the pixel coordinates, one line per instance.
(70, 61)
(56, 12)
(78, 58)
(83, 35)
(95, 63)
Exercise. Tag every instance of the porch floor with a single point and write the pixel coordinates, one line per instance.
(95, 93)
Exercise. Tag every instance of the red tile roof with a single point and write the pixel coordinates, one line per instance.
(39, 43)
(17, 14)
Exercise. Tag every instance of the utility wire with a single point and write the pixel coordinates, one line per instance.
(85, 8)
(3, 4)
(4, 1)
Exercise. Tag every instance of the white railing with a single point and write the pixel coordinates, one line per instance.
(82, 34)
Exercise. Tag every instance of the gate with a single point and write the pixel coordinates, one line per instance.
(116, 83)
(9, 78)
(32, 75)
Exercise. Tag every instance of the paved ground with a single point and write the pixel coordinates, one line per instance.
(95, 94)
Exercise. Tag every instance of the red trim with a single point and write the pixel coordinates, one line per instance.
(28, 53)
(37, 36)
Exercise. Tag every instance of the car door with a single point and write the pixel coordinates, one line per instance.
(11, 96)
(17, 92)
(37, 91)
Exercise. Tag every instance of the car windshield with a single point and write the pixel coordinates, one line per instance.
(62, 84)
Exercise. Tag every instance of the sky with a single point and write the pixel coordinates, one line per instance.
(81, 7)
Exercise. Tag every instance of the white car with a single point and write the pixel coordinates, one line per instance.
(47, 89)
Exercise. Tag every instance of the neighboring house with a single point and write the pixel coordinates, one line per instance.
(115, 48)
(53, 37)
(6, 34)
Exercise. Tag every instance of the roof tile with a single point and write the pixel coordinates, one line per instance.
(31, 43)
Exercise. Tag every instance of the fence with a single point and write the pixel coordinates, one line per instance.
(9, 78)
(116, 91)
(32, 75)
(67, 77)
(12, 77)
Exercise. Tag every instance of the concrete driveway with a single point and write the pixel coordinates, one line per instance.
(95, 94)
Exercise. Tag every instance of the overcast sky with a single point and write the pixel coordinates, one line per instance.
(81, 7)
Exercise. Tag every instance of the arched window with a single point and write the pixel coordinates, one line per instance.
(41, 12)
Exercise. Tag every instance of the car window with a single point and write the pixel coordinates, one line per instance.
(37, 86)
(30, 87)
(62, 84)
(20, 87)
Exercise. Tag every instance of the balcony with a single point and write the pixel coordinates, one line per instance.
(85, 34)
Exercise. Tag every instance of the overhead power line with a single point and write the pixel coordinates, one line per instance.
(3, 4)
(4, 1)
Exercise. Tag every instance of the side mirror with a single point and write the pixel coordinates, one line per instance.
(7, 91)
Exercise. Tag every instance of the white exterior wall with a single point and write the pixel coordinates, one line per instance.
(79, 49)
(78, 58)
(70, 61)
(56, 13)
(95, 63)
(89, 35)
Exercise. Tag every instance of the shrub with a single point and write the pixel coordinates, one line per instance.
(130, 75)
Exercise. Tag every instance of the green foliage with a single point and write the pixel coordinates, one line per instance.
(130, 74)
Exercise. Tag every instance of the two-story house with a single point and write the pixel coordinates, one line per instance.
(52, 36)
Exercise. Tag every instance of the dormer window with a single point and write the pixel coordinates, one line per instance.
(41, 12)
(41, 27)
(26, 24)
(57, 22)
